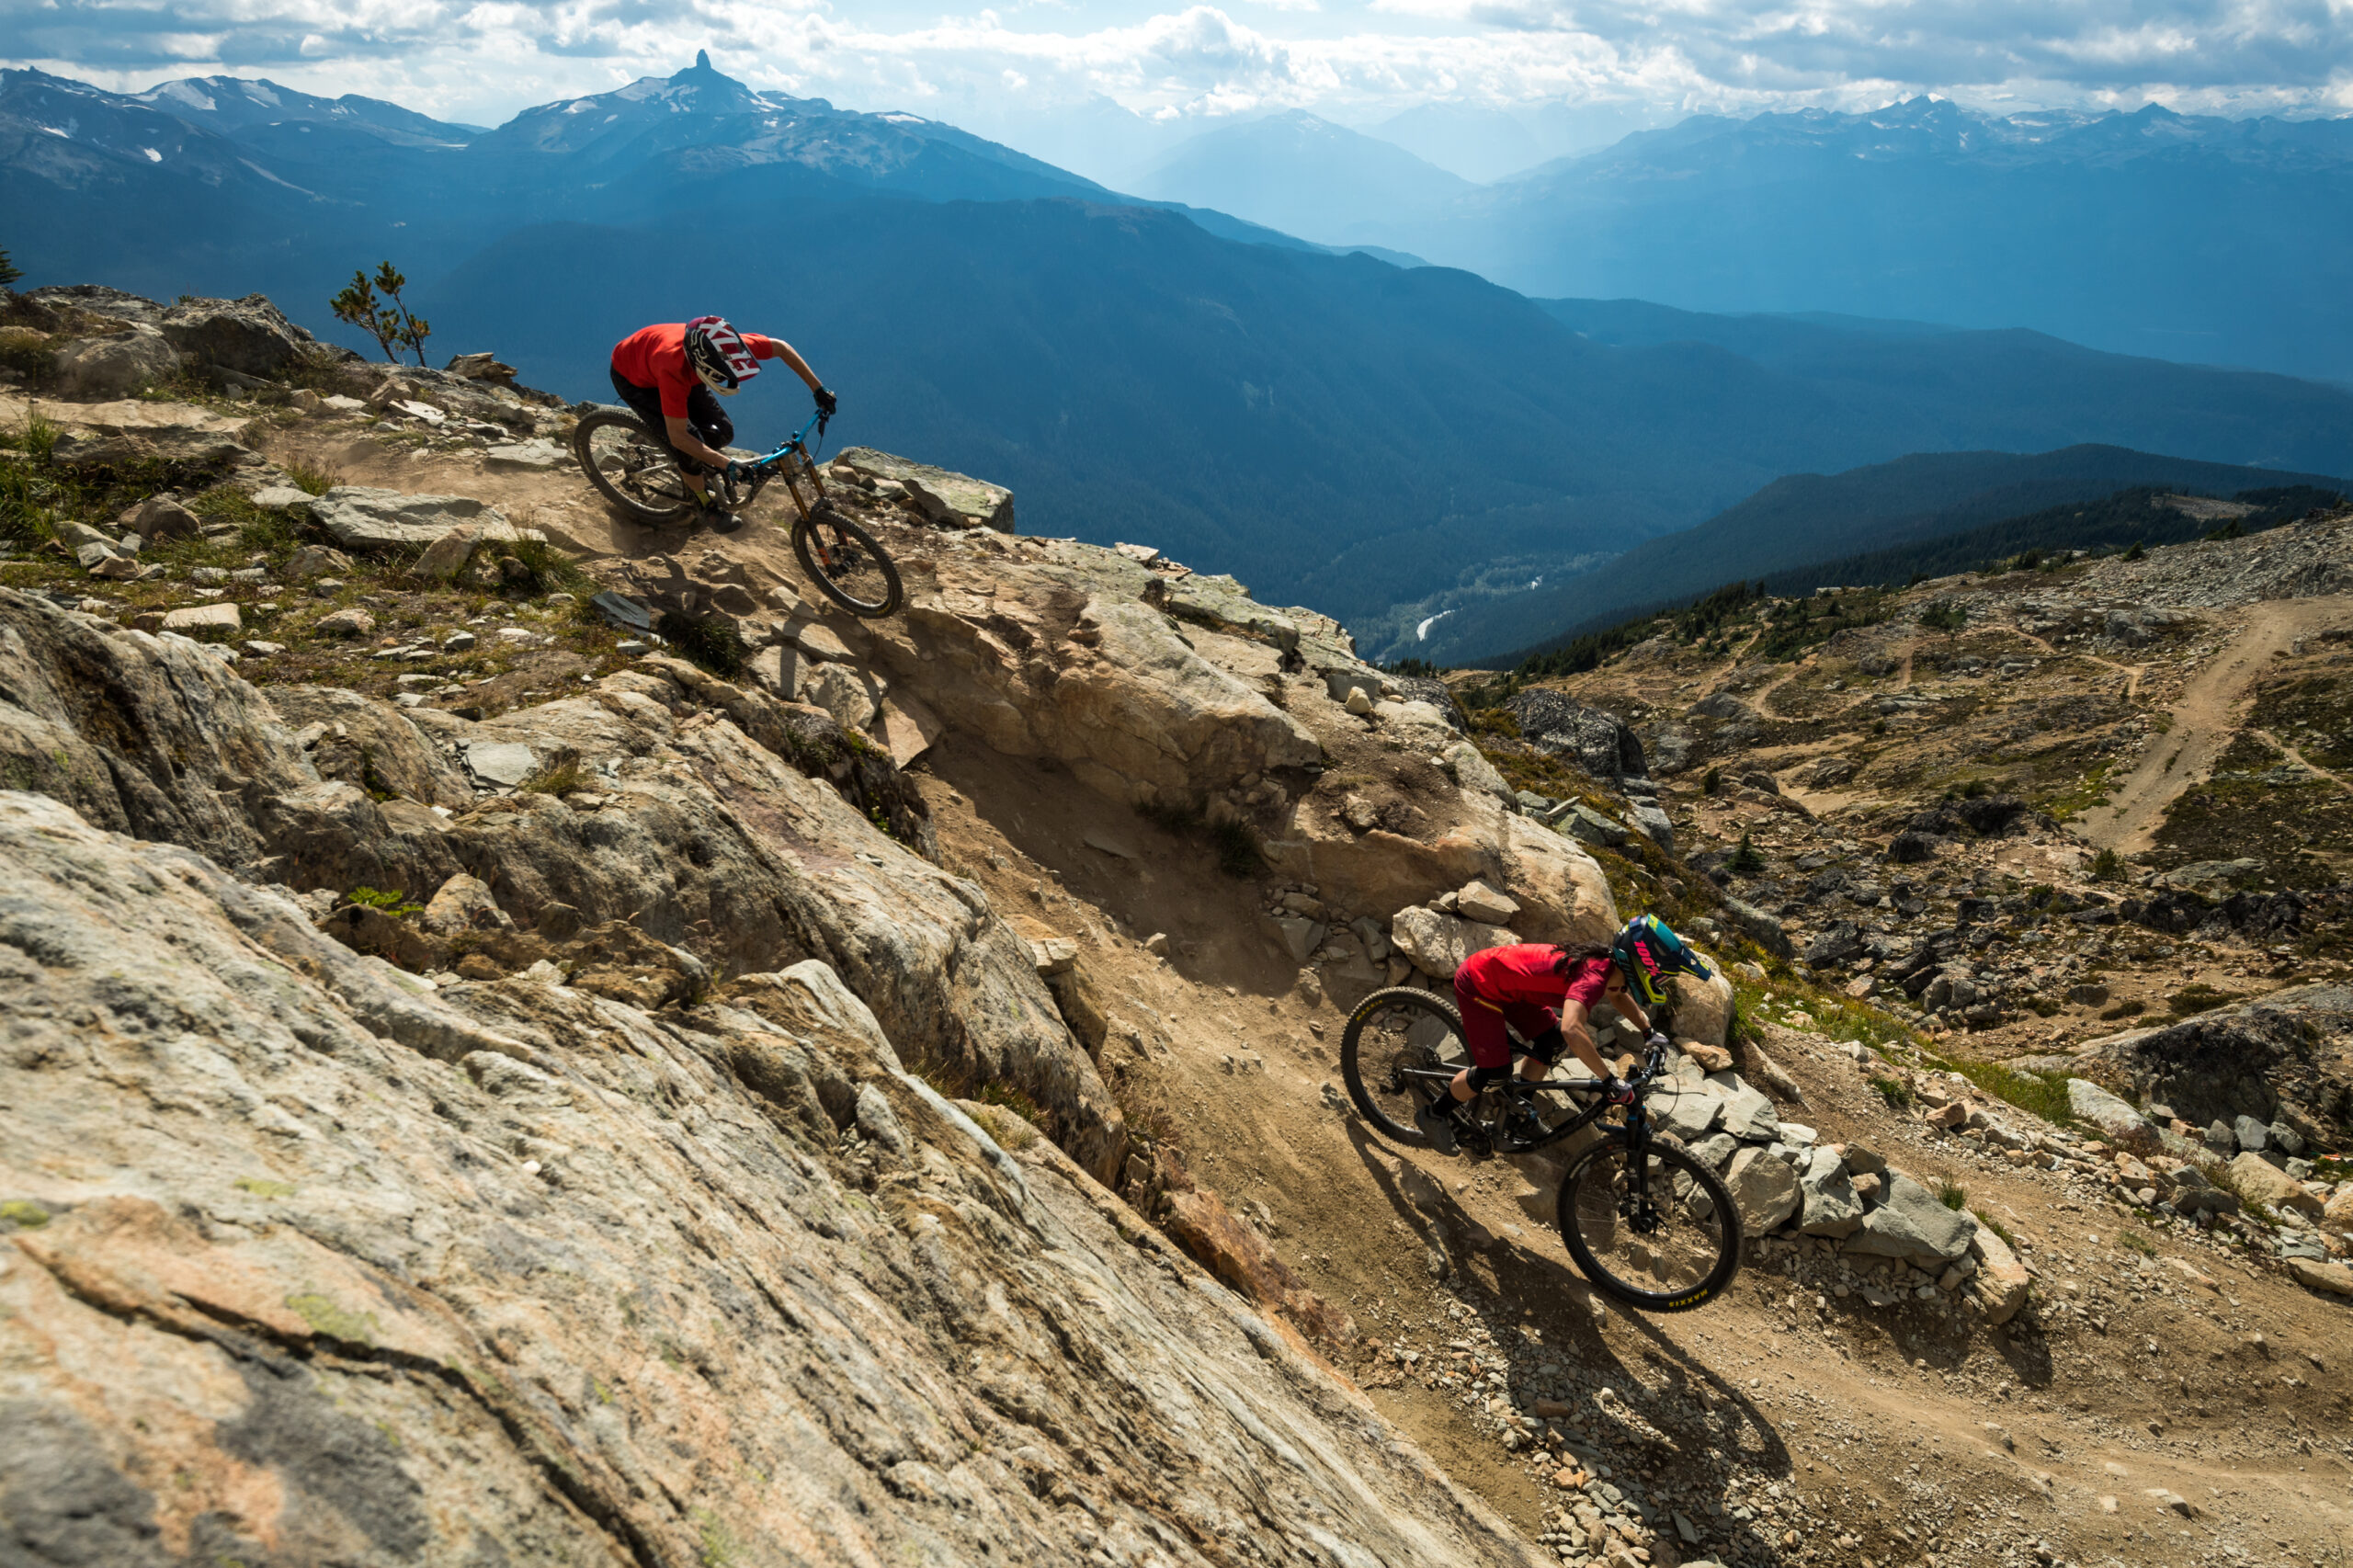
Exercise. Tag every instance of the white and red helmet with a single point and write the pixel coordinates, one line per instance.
(720, 354)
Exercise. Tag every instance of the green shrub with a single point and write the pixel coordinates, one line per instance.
(1895, 1091)
(2133, 1241)
(311, 477)
(1746, 860)
(1952, 1194)
(2106, 865)
(714, 644)
(395, 905)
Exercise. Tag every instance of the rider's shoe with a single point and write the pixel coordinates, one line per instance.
(1524, 1121)
(1437, 1122)
(720, 520)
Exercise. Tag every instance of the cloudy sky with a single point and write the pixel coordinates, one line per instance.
(1046, 74)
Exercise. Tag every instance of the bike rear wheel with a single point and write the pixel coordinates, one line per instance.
(846, 563)
(631, 468)
(1666, 1243)
(1390, 1032)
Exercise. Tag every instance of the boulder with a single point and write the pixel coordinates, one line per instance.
(1688, 1113)
(221, 615)
(2249, 1134)
(1764, 1188)
(117, 365)
(847, 694)
(2000, 1283)
(248, 336)
(352, 621)
(1478, 902)
(160, 517)
(372, 745)
(1911, 1224)
(1651, 821)
(1436, 943)
(462, 906)
(1748, 1114)
(1703, 1010)
(780, 669)
(2259, 1181)
(447, 556)
(363, 517)
(2322, 1275)
(1829, 1207)
(1582, 822)
(2116, 1120)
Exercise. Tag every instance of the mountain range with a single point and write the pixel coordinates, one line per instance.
(1937, 512)
(1388, 443)
(2193, 238)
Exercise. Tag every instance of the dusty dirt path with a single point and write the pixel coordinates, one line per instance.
(2205, 718)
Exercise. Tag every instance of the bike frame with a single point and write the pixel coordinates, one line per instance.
(782, 463)
(1636, 1204)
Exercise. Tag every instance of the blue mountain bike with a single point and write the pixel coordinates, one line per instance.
(632, 467)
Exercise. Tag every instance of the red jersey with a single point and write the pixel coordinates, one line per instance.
(1523, 975)
(656, 357)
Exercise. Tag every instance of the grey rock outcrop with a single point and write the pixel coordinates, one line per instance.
(362, 516)
(1910, 1223)
(250, 335)
(115, 365)
(376, 1275)
(1602, 745)
(2278, 1060)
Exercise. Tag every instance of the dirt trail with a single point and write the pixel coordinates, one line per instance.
(2204, 720)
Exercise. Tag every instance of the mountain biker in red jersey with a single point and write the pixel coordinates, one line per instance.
(1547, 993)
(668, 374)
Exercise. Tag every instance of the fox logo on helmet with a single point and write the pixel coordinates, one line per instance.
(720, 354)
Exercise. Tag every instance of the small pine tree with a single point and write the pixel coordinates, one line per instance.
(9, 271)
(1746, 860)
(1947, 617)
(2136, 552)
(387, 320)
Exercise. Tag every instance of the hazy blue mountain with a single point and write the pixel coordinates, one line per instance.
(1809, 529)
(2199, 239)
(1484, 143)
(1303, 174)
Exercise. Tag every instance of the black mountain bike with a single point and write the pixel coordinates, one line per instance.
(632, 467)
(1645, 1221)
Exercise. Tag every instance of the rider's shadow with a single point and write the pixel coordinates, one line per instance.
(1672, 1394)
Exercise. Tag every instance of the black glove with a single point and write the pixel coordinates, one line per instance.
(826, 402)
(1617, 1091)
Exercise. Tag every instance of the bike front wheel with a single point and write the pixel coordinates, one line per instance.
(1658, 1231)
(631, 468)
(1391, 1033)
(846, 563)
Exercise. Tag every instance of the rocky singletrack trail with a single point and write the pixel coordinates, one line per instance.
(2205, 717)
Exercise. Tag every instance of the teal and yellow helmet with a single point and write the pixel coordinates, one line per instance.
(1646, 951)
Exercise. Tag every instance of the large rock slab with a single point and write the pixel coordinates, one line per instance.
(2259, 1181)
(397, 1273)
(944, 496)
(363, 517)
(152, 737)
(1910, 1223)
(1748, 1113)
(1224, 604)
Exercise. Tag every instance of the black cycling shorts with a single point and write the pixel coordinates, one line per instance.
(710, 421)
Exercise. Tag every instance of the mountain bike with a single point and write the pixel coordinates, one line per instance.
(1645, 1221)
(632, 467)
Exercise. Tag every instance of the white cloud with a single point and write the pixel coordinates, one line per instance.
(482, 59)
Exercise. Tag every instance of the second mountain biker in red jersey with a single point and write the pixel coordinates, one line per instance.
(1547, 993)
(668, 375)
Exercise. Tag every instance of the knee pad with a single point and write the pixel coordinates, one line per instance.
(1488, 1078)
